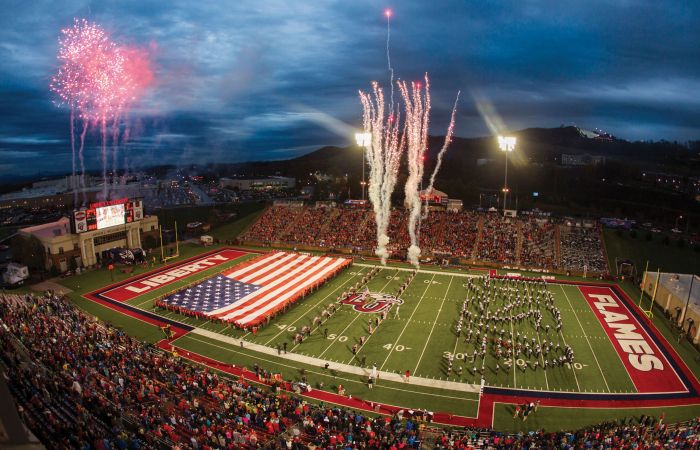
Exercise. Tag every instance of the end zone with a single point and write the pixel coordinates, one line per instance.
(136, 286)
(677, 386)
(647, 365)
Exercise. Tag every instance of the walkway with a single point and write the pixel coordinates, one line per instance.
(346, 368)
(431, 272)
(50, 285)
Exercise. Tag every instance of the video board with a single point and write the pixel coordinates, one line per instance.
(107, 214)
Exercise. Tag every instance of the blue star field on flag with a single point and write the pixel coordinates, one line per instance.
(214, 293)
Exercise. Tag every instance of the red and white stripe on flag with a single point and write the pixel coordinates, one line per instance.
(284, 278)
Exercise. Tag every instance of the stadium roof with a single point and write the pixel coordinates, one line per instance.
(49, 230)
(680, 284)
(434, 192)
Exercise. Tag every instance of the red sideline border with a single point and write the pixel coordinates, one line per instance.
(490, 396)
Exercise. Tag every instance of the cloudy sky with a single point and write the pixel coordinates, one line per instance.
(266, 79)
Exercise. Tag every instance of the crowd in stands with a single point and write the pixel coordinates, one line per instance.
(498, 239)
(582, 248)
(539, 243)
(343, 229)
(309, 223)
(272, 223)
(642, 432)
(487, 237)
(79, 383)
(450, 233)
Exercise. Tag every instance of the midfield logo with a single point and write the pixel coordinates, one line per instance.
(371, 302)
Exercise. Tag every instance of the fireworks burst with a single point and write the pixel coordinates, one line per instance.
(417, 105)
(99, 80)
(388, 13)
(448, 140)
(383, 156)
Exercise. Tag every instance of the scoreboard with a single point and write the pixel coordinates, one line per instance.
(107, 214)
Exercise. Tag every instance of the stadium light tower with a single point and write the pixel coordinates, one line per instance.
(507, 145)
(364, 140)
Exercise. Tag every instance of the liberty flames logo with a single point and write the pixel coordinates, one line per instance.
(371, 302)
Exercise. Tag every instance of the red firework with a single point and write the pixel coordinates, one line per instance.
(99, 79)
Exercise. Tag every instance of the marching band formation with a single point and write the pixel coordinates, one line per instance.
(490, 313)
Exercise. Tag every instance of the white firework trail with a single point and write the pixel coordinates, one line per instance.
(417, 106)
(383, 157)
(448, 140)
(388, 14)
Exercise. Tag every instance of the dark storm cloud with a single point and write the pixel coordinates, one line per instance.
(238, 80)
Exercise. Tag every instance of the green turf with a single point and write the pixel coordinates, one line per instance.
(570, 419)
(416, 341)
(384, 391)
(95, 279)
(230, 231)
(212, 214)
(669, 258)
(140, 330)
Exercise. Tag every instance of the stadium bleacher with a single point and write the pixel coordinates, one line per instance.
(476, 237)
(94, 387)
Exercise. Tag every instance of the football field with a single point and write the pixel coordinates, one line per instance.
(397, 322)
(423, 336)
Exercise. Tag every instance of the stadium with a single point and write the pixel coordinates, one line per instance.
(217, 232)
(457, 346)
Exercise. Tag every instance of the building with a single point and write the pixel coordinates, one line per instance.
(581, 160)
(679, 296)
(249, 184)
(454, 205)
(90, 233)
(434, 199)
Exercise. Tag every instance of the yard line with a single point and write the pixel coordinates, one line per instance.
(430, 272)
(408, 322)
(234, 350)
(323, 323)
(539, 341)
(314, 306)
(572, 367)
(587, 340)
(357, 316)
(415, 370)
(370, 336)
(454, 350)
(512, 339)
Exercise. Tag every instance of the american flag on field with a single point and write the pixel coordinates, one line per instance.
(248, 293)
(212, 294)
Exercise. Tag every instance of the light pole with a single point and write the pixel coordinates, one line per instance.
(364, 140)
(677, 219)
(507, 145)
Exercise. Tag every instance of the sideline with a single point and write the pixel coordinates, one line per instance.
(432, 272)
(346, 368)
